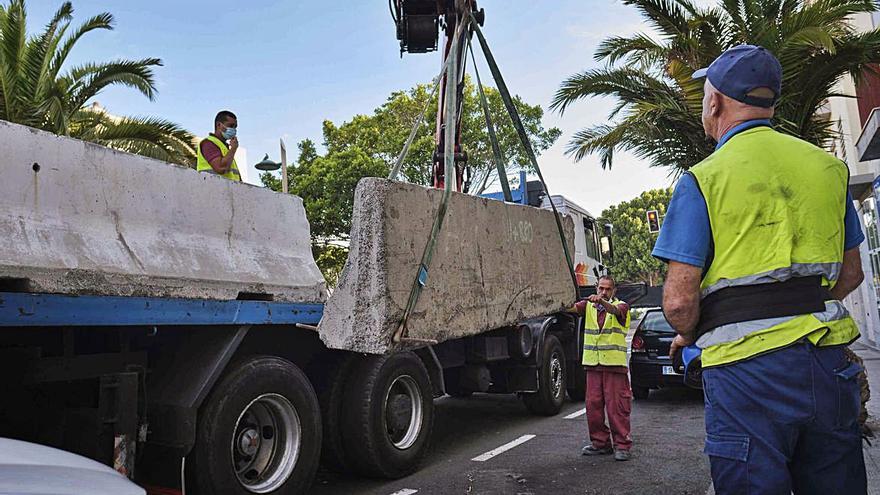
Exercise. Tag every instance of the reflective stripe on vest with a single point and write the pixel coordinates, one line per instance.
(834, 311)
(776, 207)
(606, 346)
(830, 271)
(202, 164)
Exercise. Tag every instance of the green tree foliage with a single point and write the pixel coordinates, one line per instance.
(326, 184)
(368, 146)
(632, 241)
(386, 130)
(38, 90)
(657, 116)
(330, 259)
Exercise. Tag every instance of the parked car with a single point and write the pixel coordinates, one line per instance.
(28, 468)
(650, 366)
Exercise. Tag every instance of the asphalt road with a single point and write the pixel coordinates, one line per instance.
(667, 432)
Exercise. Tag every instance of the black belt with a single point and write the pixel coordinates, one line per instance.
(798, 296)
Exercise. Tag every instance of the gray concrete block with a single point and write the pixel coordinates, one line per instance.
(77, 218)
(495, 264)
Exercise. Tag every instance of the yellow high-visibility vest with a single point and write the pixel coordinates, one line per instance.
(202, 164)
(776, 207)
(606, 347)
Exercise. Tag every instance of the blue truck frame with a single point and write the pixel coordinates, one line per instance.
(47, 310)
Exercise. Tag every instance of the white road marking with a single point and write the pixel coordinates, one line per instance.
(504, 448)
(405, 491)
(577, 414)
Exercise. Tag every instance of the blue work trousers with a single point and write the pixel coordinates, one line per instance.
(785, 422)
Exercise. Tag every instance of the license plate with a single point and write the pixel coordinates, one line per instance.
(669, 370)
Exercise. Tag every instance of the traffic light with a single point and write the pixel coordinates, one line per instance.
(653, 221)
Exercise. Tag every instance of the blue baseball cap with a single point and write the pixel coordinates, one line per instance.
(742, 69)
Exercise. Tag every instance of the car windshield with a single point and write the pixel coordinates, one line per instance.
(656, 322)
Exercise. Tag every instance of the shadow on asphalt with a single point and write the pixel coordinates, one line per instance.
(669, 424)
(458, 423)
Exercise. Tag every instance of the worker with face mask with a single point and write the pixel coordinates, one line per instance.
(217, 151)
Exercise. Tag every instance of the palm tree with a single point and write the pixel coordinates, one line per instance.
(37, 90)
(657, 116)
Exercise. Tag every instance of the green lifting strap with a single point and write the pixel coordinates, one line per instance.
(493, 138)
(449, 170)
(517, 122)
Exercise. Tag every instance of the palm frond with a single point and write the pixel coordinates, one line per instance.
(35, 93)
(13, 38)
(624, 83)
(100, 21)
(88, 80)
(656, 115)
(147, 136)
(670, 17)
(637, 49)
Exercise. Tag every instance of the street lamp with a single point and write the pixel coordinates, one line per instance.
(267, 164)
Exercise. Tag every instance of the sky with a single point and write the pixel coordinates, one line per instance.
(285, 66)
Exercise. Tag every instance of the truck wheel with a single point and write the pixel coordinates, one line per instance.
(641, 393)
(548, 400)
(259, 431)
(388, 416)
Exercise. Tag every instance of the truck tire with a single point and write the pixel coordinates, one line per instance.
(259, 431)
(548, 400)
(388, 416)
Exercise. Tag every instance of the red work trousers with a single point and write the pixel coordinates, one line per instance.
(608, 391)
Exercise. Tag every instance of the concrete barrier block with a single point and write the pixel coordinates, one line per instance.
(77, 218)
(495, 264)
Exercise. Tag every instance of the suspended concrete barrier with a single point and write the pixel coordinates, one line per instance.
(494, 264)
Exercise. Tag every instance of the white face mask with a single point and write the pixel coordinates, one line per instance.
(230, 132)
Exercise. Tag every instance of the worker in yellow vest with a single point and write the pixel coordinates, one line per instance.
(217, 151)
(606, 323)
(761, 239)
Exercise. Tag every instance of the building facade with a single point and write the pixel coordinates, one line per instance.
(857, 118)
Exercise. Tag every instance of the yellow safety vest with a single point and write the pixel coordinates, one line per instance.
(203, 166)
(776, 207)
(606, 347)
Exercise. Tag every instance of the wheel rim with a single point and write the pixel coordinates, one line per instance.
(266, 443)
(403, 412)
(556, 375)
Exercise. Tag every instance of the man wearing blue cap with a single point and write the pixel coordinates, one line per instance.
(762, 242)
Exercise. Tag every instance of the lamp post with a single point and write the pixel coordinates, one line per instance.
(283, 167)
(269, 165)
